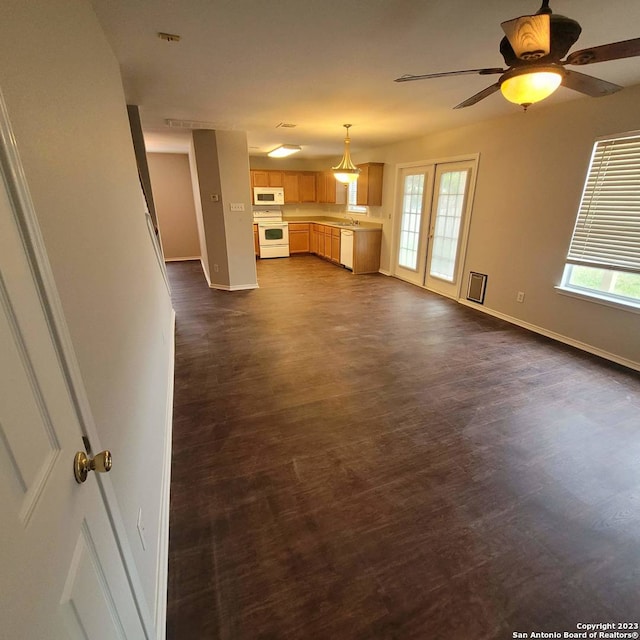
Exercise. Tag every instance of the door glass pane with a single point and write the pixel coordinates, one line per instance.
(410, 223)
(451, 192)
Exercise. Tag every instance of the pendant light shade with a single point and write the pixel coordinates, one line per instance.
(346, 171)
(525, 88)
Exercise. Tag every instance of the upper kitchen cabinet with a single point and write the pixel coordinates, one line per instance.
(265, 178)
(370, 184)
(329, 190)
(299, 186)
(307, 183)
(291, 186)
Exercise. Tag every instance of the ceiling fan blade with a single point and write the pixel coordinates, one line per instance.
(611, 51)
(594, 87)
(483, 72)
(529, 36)
(485, 93)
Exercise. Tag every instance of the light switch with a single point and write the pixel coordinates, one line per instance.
(236, 206)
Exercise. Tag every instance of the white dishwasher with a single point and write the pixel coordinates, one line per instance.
(346, 248)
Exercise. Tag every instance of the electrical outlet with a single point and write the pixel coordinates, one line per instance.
(520, 296)
(216, 268)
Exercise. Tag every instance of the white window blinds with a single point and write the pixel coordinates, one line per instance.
(607, 231)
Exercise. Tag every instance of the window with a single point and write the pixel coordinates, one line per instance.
(411, 221)
(604, 256)
(352, 199)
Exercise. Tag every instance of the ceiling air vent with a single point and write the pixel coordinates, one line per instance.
(169, 37)
(191, 124)
(286, 125)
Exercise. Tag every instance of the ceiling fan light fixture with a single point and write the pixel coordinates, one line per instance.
(527, 87)
(346, 171)
(284, 150)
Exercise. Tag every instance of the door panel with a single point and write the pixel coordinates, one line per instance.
(414, 210)
(57, 546)
(449, 216)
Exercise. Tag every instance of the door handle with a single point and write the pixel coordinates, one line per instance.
(82, 464)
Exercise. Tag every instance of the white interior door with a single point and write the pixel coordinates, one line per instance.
(61, 572)
(417, 187)
(448, 227)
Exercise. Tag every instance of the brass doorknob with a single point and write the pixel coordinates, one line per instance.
(82, 464)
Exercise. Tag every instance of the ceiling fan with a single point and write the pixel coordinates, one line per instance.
(533, 49)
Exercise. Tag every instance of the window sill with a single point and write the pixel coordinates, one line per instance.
(599, 299)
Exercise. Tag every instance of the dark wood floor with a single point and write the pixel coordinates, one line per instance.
(354, 457)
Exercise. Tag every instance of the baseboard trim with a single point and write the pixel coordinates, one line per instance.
(233, 287)
(186, 258)
(162, 566)
(384, 272)
(583, 346)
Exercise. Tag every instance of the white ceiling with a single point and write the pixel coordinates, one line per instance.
(252, 64)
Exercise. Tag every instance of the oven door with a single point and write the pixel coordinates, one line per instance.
(273, 238)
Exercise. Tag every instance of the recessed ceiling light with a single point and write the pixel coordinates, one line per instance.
(284, 150)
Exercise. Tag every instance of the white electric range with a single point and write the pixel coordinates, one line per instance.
(273, 233)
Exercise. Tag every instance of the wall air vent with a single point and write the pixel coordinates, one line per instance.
(286, 125)
(477, 287)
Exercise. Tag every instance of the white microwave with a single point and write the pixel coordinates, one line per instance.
(268, 195)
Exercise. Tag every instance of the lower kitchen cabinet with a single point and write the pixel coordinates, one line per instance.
(256, 241)
(335, 245)
(366, 251)
(324, 241)
(299, 240)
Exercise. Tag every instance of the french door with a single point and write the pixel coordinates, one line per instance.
(433, 225)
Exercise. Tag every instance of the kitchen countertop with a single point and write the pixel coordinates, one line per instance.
(333, 222)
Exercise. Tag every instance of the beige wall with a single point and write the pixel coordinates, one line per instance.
(62, 86)
(173, 197)
(530, 178)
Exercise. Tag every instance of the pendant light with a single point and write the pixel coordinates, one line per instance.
(346, 171)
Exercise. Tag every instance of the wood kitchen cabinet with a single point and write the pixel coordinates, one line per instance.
(327, 242)
(307, 186)
(299, 186)
(291, 185)
(329, 190)
(324, 241)
(313, 238)
(299, 241)
(256, 240)
(366, 251)
(266, 178)
(335, 245)
(370, 184)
